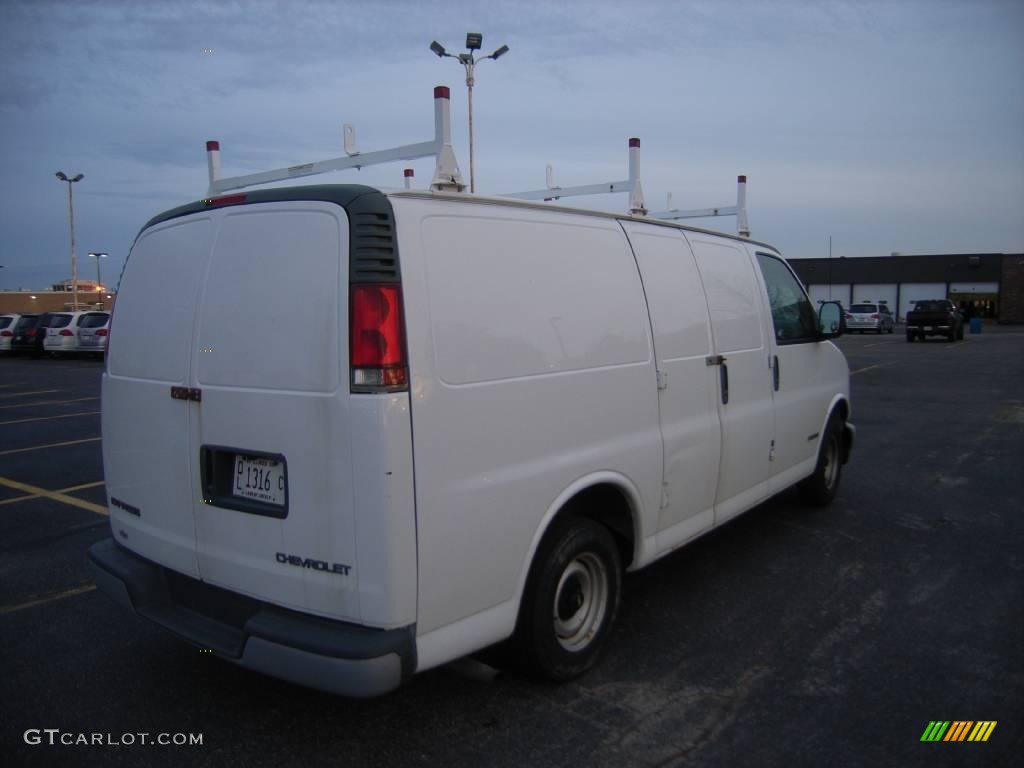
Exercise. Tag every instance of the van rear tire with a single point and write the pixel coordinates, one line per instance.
(821, 487)
(571, 599)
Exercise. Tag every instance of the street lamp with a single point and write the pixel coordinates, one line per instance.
(71, 216)
(99, 282)
(473, 42)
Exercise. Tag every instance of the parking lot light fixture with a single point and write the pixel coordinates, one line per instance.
(71, 217)
(99, 281)
(473, 42)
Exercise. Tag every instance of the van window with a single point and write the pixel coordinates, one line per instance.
(863, 308)
(59, 321)
(5, 321)
(729, 281)
(792, 314)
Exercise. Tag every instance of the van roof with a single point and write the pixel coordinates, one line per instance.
(345, 194)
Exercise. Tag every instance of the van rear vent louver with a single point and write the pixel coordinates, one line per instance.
(373, 250)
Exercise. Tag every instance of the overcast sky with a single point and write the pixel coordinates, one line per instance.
(891, 126)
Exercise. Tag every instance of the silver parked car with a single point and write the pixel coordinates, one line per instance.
(93, 330)
(875, 317)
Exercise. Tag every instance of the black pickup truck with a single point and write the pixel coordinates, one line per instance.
(935, 317)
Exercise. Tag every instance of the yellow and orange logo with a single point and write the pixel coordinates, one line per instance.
(958, 730)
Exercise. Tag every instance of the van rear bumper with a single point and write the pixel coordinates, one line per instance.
(333, 656)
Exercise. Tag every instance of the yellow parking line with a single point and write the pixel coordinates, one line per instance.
(31, 496)
(26, 394)
(49, 445)
(47, 418)
(49, 402)
(55, 495)
(48, 598)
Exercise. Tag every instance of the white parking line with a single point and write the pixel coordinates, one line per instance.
(48, 418)
(48, 402)
(26, 394)
(49, 445)
(872, 367)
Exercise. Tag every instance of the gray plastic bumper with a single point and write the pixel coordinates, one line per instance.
(333, 656)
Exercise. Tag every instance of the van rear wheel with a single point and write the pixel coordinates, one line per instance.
(820, 488)
(571, 599)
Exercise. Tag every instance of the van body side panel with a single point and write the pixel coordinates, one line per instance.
(531, 365)
(688, 403)
(146, 455)
(738, 332)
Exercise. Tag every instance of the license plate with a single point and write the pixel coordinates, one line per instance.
(928, 328)
(259, 479)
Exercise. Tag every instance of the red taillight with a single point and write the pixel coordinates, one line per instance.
(875, 317)
(6, 333)
(101, 332)
(66, 332)
(30, 333)
(376, 337)
(849, 316)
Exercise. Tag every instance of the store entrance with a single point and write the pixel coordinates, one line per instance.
(983, 305)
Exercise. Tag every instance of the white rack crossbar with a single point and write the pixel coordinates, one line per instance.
(739, 210)
(446, 172)
(631, 185)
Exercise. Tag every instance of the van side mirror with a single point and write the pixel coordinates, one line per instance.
(831, 321)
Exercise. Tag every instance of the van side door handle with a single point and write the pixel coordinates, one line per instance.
(775, 372)
(187, 393)
(724, 377)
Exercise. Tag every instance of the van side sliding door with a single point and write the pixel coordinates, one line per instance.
(688, 387)
(740, 358)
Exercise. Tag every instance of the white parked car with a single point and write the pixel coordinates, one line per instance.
(62, 333)
(93, 332)
(465, 418)
(7, 323)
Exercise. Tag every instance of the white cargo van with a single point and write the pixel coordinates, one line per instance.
(350, 435)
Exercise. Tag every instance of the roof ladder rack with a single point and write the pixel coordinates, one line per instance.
(739, 210)
(631, 185)
(446, 171)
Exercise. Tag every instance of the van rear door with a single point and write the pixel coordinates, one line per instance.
(271, 435)
(146, 454)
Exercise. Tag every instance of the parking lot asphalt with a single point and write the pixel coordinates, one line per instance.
(790, 636)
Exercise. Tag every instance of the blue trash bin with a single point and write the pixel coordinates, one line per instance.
(976, 324)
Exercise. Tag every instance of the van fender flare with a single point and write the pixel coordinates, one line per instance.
(620, 481)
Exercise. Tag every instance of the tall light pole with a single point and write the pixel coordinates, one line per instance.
(71, 216)
(99, 282)
(473, 42)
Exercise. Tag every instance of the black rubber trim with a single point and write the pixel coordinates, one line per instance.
(223, 621)
(373, 246)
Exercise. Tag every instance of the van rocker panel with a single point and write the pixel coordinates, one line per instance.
(333, 656)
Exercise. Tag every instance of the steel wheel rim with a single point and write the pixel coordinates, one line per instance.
(581, 602)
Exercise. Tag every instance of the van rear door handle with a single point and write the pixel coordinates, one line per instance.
(724, 376)
(187, 393)
(775, 373)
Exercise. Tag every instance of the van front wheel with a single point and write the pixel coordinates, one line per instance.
(572, 596)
